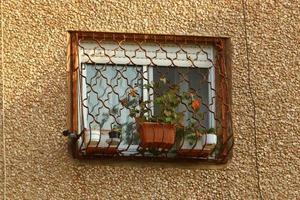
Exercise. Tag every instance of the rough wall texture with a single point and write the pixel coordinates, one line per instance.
(265, 45)
(2, 175)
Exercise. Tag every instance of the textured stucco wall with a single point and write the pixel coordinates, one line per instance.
(265, 44)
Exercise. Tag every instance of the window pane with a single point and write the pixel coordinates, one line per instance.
(106, 85)
(188, 80)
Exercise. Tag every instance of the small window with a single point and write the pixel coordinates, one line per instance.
(158, 96)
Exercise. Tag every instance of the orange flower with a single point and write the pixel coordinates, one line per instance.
(133, 93)
(196, 104)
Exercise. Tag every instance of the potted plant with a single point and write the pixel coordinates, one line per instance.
(115, 131)
(116, 128)
(114, 136)
(194, 139)
(156, 132)
(196, 143)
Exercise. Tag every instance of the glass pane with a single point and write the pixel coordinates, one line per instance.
(192, 80)
(106, 85)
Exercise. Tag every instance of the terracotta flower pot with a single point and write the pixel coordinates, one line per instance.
(156, 135)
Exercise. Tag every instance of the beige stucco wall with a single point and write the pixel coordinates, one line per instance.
(35, 163)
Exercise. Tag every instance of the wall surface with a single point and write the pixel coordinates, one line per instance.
(35, 162)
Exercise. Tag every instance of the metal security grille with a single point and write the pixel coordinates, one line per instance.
(150, 96)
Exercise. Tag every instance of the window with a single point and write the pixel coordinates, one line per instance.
(149, 96)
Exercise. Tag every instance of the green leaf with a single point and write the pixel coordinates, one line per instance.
(168, 119)
(211, 130)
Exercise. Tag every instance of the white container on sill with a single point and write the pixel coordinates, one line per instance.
(93, 139)
(209, 141)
